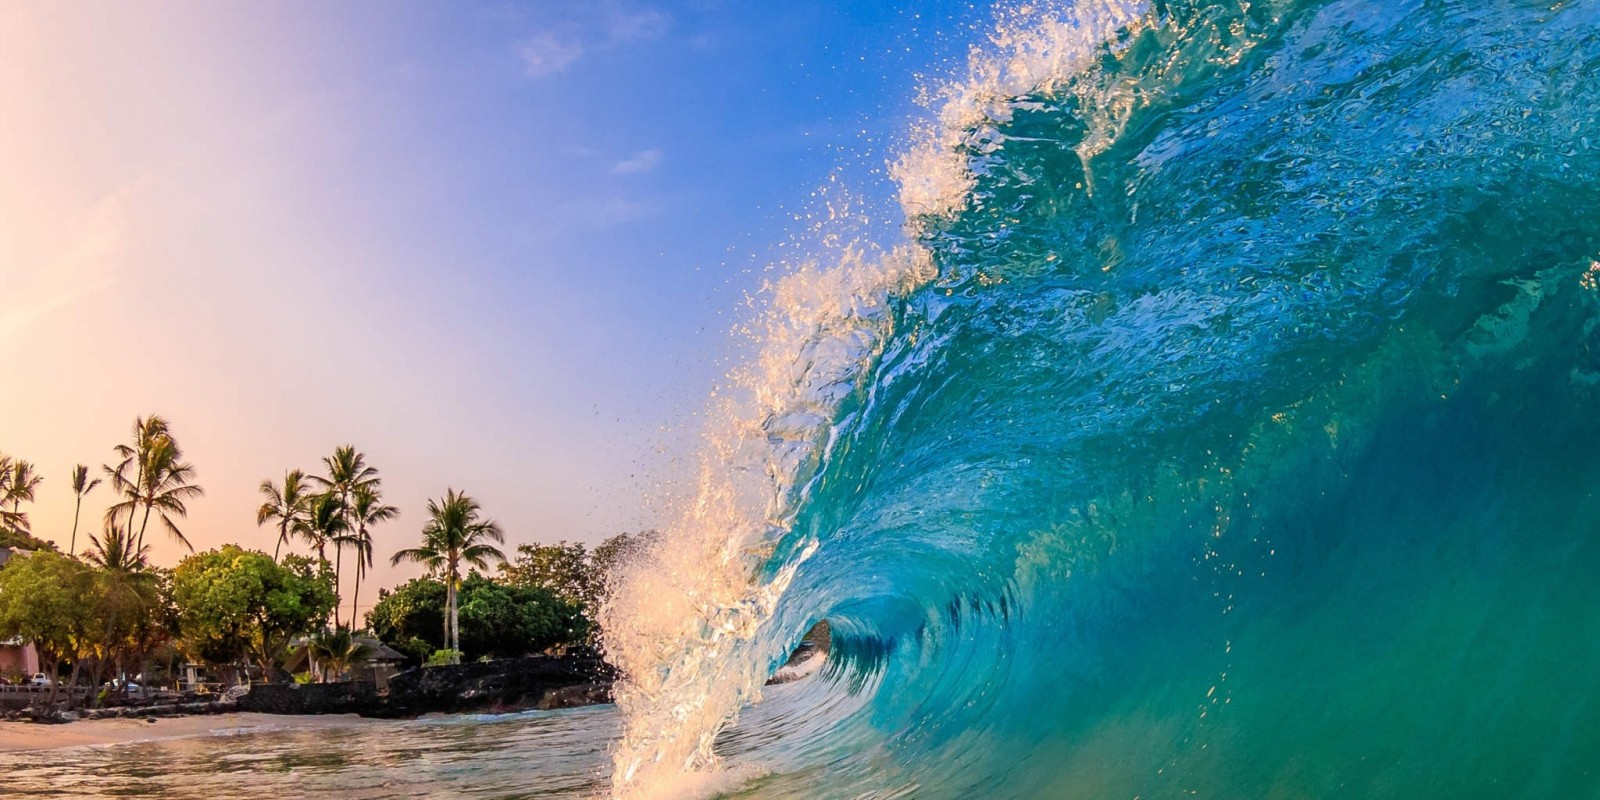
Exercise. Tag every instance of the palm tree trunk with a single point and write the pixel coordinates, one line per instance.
(135, 506)
(73, 548)
(338, 559)
(355, 596)
(455, 621)
(283, 533)
(142, 524)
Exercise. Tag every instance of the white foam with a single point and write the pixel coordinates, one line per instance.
(805, 669)
(1034, 48)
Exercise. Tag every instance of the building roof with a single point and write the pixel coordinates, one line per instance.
(376, 653)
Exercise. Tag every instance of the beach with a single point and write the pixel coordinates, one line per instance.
(28, 736)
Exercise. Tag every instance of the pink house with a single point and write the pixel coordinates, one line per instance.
(16, 655)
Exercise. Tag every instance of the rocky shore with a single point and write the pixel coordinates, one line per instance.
(490, 687)
(515, 684)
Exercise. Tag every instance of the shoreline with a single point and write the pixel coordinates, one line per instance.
(16, 736)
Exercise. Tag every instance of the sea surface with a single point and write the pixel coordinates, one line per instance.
(559, 754)
(1225, 424)
(534, 754)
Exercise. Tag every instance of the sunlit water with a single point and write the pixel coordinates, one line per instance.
(540, 754)
(537, 754)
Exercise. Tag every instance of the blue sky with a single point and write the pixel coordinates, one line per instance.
(496, 246)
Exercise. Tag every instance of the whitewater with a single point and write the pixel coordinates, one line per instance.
(1222, 425)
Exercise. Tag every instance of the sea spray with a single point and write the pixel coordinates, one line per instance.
(682, 624)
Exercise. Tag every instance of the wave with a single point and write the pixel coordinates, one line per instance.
(1224, 426)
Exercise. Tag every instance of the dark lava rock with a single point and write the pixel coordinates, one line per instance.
(504, 685)
(513, 684)
(356, 697)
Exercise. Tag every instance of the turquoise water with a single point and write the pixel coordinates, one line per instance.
(1237, 435)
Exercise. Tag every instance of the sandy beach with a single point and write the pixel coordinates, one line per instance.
(18, 736)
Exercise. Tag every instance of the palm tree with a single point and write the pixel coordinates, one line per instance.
(5, 488)
(324, 523)
(160, 478)
(335, 651)
(81, 485)
(366, 509)
(290, 506)
(127, 595)
(347, 472)
(454, 534)
(16, 486)
(114, 551)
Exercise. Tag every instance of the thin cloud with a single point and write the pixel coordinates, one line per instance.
(624, 26)
(644, 161)
(544, 54)
(594, 28)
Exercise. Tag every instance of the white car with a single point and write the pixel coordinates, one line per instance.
(40, 679)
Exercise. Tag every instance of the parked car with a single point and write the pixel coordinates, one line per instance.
(40, 679)
(117, 685)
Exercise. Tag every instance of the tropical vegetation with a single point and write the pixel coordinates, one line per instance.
(454, 534)
(497, 620)
(106, 612)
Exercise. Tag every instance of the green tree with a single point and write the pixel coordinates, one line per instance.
(132, 605)
(6, 522)
(348, 471)
(454, 534)
(497, 620)
(81, 485)
(366, 510)
(616, 552)
(325, 523)
(18, 540)
(152, 474)
(412, 617)
(45, 598)
(18, 480)
(579, 576)
(114, 550)
(334, 652)
(562, 568)
(503, 621)
(236, 604)
(290, 505)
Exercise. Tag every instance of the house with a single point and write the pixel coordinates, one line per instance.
(16, 656)
(376, 661)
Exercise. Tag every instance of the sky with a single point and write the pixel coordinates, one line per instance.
(497, 247)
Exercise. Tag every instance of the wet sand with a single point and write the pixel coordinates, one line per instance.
(17, 736)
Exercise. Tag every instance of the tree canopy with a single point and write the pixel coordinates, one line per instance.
(237, 604)
(497, 620)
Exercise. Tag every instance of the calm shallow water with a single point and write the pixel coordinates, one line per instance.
(560, 754)
(543, 754)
